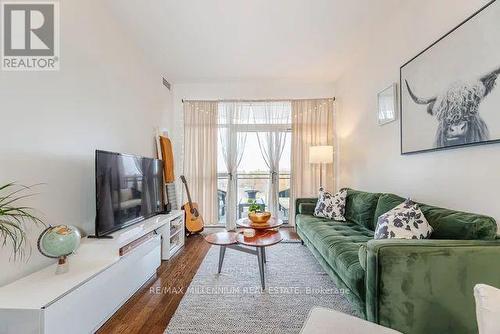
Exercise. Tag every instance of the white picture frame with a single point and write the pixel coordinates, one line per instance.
(387, 106)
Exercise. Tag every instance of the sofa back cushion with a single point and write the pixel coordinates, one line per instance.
(360, 207)
(447, 224)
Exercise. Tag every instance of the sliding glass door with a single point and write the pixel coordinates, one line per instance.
(256, 144)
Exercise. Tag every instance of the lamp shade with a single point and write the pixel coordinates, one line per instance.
(321, 154)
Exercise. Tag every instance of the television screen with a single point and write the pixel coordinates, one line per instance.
(129, 189)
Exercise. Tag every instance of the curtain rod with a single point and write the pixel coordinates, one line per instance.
(259, 100)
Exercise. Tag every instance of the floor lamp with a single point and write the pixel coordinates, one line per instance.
(321, 155)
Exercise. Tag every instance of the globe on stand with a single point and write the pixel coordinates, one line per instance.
(58, 242)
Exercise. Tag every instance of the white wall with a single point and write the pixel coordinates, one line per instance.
(252, 90)
(105, 96)
(465, 178)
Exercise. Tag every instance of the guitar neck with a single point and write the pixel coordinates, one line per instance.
(188, 196)
(187, 192)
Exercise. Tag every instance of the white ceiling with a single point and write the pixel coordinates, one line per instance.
(224, 40)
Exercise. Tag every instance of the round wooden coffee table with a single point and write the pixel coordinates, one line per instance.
(238, 242)
(261, 239)
(222, 238)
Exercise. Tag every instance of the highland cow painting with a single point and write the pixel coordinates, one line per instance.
(450, 93)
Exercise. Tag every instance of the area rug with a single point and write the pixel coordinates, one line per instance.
(233, 302)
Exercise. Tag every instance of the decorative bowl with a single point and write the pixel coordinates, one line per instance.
(259, 218)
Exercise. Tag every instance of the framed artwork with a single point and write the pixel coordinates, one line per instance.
(449, 94)
(387, 106)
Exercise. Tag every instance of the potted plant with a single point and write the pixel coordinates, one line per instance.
(254, 207)
(256, 215)
(14, 218)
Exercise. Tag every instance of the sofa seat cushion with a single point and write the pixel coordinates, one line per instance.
(338, 243)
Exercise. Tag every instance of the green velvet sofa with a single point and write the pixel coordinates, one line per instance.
(414, 286)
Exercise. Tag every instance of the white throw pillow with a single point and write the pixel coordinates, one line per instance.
(406, 221)
(331, 206)
(487, 308)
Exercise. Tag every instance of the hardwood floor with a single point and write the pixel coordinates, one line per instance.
(150, 309)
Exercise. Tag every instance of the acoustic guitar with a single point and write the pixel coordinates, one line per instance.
(194, 221)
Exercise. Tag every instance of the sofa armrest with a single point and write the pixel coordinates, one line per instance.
(306, 208)
(426, 286)
(303, 205)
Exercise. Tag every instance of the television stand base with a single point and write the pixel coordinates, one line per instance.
(82, 299)
(102, 237)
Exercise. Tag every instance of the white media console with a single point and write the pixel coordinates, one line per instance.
(97, 283)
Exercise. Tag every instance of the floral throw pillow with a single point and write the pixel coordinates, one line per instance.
(406, 221)
(331, 206)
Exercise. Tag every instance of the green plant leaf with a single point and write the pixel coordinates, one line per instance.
(14, 219)
(21, 188)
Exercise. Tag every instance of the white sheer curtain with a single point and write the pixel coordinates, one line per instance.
(200, 156)
(271, 145)
(312, 124)
(232, 145)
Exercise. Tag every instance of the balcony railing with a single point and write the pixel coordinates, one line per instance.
(250, 187)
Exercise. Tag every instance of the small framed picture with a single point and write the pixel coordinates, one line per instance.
(387, 105)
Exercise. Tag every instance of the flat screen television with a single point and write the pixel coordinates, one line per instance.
(129, 189)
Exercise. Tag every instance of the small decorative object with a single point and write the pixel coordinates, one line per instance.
(256, 216)
(449, 92)
(58, 242)
(249, 233)
(259, 218)
(405, 221)
(254, 207)
(13, 218)
(387, 106)
(330, 205)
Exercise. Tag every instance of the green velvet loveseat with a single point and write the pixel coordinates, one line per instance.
(414, 286)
